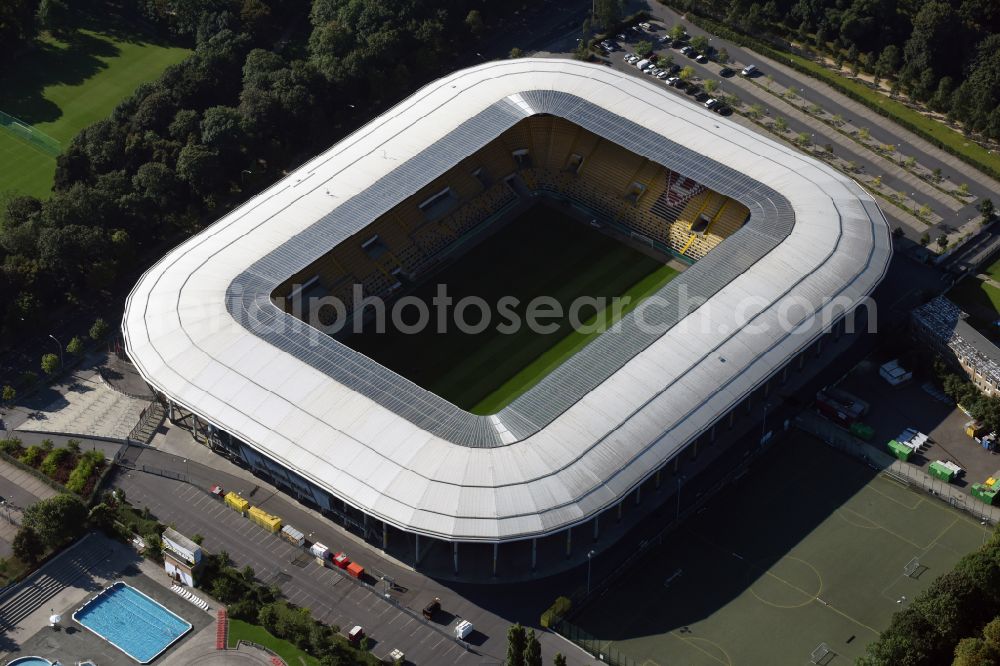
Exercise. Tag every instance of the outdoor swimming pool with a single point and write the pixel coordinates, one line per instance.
(132, 622)
(30, 661)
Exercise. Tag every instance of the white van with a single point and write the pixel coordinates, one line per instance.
(644, 63)
(463, 629)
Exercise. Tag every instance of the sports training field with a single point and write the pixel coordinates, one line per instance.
(808, 548)
(63, 86)
(542, 253)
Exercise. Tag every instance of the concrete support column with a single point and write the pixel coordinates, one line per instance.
(638, 495)
(364, 523)
(677, 464)
(802, 361)
(454, 550)
(416, 550)
(569, 542)
(748, 403)
(534, 553)
(784, 374)
(496, 548)
(658, 473)
(619, 518)
(838, 328)
(767, 387)
(711, 435)
(385, 537)
(732, 417)
(597, 527)
(170, 411)
(694, 451)
(819, 346)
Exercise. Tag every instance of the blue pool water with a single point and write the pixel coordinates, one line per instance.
(30, 661)
(132, 622)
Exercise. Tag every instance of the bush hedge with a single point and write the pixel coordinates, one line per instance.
(558, 610)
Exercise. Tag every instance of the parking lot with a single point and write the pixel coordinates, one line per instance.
(914, 405)
(334, 598)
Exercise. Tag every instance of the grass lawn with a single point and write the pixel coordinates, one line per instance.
(60, 87)
(977, 298)
(532, 373)
(293, 656)
(993, 270)
(808, 548)
(542, 253)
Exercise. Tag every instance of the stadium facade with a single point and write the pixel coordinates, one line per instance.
(351, 437)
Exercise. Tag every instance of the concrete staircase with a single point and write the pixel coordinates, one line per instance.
(25, 598)
(151, 420)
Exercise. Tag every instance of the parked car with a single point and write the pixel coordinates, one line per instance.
(646, 26)
(663, 75)
(632, 58)
(673, 81)
(749, 70)
(687, 50)
(702, 58)
(725, 71)
(673, 69)
(712, 103)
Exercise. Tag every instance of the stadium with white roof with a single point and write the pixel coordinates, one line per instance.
(401, 464)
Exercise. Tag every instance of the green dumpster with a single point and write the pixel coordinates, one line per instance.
(984, 493)
(862, 431)
(939, 471)
(901, 451)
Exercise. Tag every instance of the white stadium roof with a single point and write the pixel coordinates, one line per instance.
(201, 329)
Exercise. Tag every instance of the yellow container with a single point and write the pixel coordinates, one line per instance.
(237, 503)
(264, 519)
(990, 481)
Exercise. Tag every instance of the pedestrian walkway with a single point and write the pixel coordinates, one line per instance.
(88, 407)
(28, 484)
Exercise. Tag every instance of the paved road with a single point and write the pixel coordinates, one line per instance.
(882, 129)
(333, 597)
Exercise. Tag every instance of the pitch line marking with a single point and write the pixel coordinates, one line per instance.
(691, 642)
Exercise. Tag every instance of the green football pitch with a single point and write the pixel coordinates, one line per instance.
(60, 87)
(542, 253)
(808, 548)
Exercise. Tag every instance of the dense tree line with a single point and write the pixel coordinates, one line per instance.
(945, 54)
(270, 83)
(942, 622)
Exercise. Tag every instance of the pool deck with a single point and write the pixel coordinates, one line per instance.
(110, 561)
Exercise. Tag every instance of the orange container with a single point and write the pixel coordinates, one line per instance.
(355, 570)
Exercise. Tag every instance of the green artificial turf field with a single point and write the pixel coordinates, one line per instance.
(541, 253)
(808, 548)
(60, 87)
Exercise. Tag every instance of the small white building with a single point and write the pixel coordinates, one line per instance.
(894, 373)
(181, 557)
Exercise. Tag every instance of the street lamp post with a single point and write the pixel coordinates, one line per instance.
(589, 556)
(60, 350)
(763, 423)
(680, 480)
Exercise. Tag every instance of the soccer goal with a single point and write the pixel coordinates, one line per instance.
(28, 134)
(913, 568)
(822, 654)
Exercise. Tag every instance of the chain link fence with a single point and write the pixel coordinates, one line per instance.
(897, 470)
